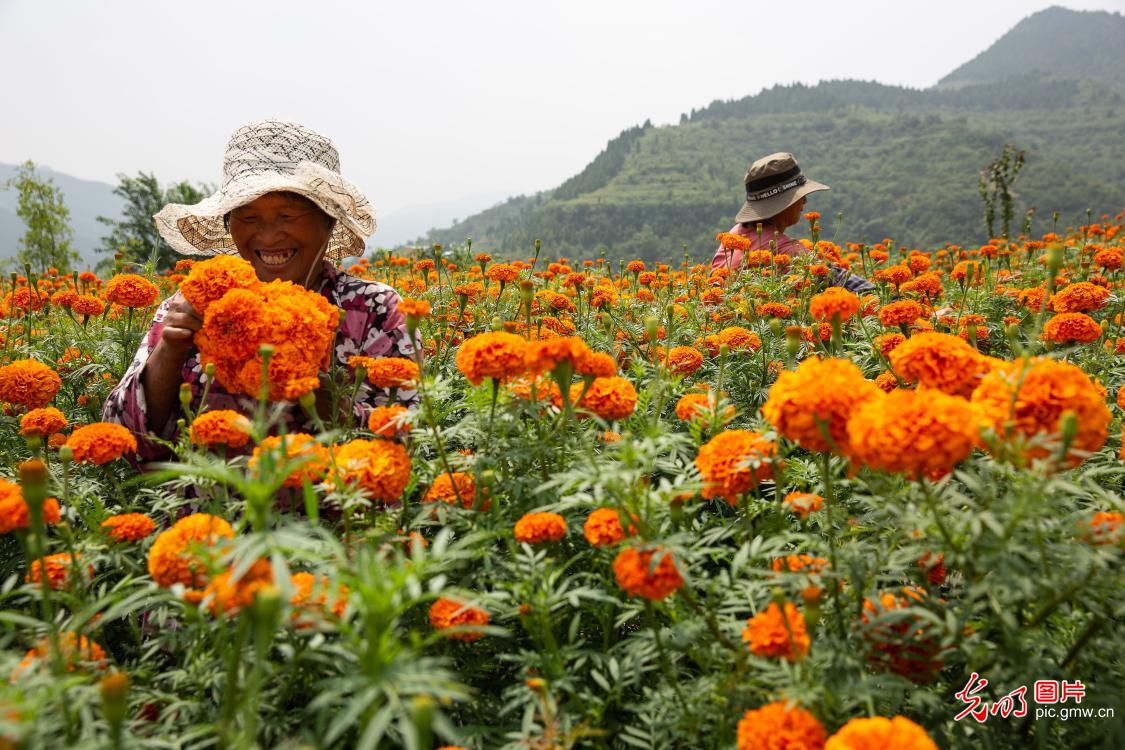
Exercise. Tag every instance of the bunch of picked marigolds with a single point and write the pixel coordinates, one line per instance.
(606, 504)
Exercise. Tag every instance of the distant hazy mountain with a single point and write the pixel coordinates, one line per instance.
(1055, 41)
(86, 199)
(902, 163)
(410, 223)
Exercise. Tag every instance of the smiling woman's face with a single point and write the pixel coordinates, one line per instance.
(281, 235)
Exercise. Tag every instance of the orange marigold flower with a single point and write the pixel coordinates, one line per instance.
(226, 595)
(597, 364)
(938, 360)
(449, 613)
(298, 447)
(314, 596)
(635, 573)
(603, 527)
(803, 503)
(733, 463)
(834, 303)
(502, 273)
(497, 355)
(28, 383)
(1013, 402)
(209, 280)
(59, 567)
(534, 528)
(739, 339)
(414, 308)
(904, 643)
(388, 372)
(87, 306)
(798, 563)
(547, 355)
(879, 733)
(780, 726)
(699, 406)
(684, 360)
(130, 290)
(922, 433)
(731, 241)
(381, 468)
(608, 398)
(1066, 327)
(101, 442)
(886, 381)
(173, 557)
(1110, 259)
(221, 427)
(772, 634)
(76, 652)
(635, 266)
(389, 421)
(453, 488)
(129, 527)
(818, 397)
(887, 342)
(903, 312)
(42, 422)
(1079, 297)
(778, 310)
(893, 275)
(1032, 298)
(1105, 527)
(14, 510)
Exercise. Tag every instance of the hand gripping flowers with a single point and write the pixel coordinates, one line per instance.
(240, 314)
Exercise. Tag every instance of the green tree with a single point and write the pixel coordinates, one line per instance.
(135, 234)
(48, 240)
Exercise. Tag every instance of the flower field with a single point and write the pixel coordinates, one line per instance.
(610, 506)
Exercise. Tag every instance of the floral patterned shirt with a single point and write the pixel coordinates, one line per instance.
(371, 326)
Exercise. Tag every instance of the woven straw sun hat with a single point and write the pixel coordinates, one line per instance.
(773, 184)
(272, 156)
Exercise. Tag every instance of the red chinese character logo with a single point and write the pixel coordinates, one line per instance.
(969, 695)
(1046, 691)
(1075, 690)
(1007, 706)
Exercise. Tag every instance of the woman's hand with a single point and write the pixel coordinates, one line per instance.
(181, 322)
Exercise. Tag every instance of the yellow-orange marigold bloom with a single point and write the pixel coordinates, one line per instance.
(772, 634)
(780, 726)
(819, 393)
(597, 364)
(835, 302)
(28, 383)
(923, 433)
(414, 308)
(731, 241)
(548, 354)
(389, 421)
(1105, 527)
(76, 651)
(388, 372)
(225, 595)
(130, 290)
(129, 527)
(449, 613)
(14, 511)
(684, 360)
(221, 427)
(635, 573)
(59, 568)
(697, 406)
(739, 339)
(608, 398)
(1079, 297)
(886, 381)
(458, 488)
(734, 462)
(173, 556)
(778, 310)
(497, 355)
(534, 528)
(87, 306)
(209, 280)
(902, 312)
(880, 733)
(1035, 403)
(798, 564)
(803, 503)
(314, 595)
(1066, 327)
(938, 360)
(101, 442)
(502, 273)
(43, 422)
(380, 467)
(635, 266)
(298, 446)
(603, 527)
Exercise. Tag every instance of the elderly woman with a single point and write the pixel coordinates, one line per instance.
(776, 193)
(284, 207)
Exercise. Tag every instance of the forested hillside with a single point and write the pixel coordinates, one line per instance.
(901, 162)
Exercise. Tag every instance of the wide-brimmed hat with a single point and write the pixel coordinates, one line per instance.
(265, 157)
(773, 184)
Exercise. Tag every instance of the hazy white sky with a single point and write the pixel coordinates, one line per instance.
(433, 101)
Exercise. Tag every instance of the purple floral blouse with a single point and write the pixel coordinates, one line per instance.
(372, 326)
